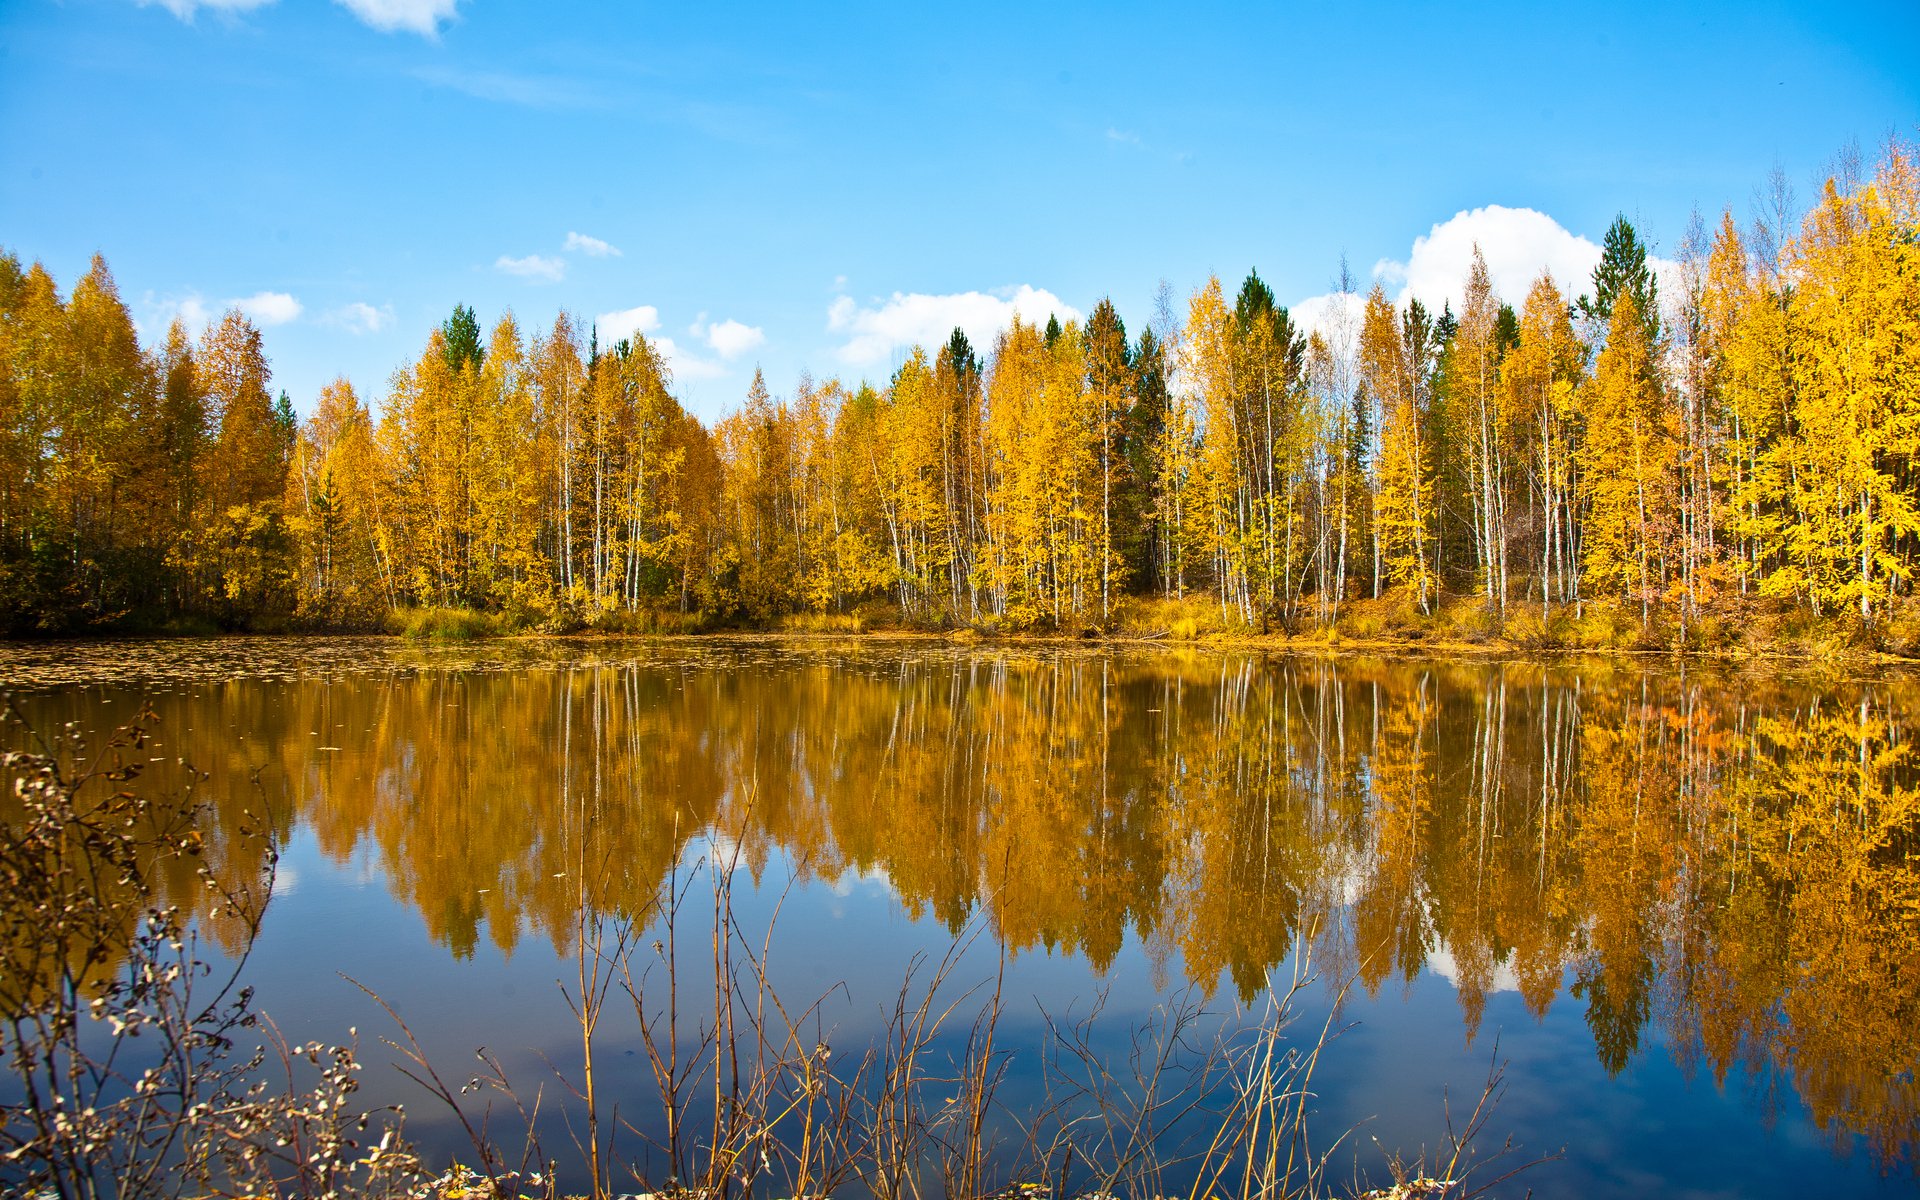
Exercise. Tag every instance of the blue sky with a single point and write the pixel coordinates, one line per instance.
(806, 187)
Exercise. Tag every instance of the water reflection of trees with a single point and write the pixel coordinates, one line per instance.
(1728, 863)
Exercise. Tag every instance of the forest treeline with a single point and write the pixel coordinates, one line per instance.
(1748, 437)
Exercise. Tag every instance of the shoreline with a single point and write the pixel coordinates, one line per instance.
(1317, 645)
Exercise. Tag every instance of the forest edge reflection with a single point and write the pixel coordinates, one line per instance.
(1727, 860)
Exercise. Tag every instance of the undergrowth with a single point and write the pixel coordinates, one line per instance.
(445, 624)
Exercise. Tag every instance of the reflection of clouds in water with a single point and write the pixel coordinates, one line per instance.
(1441, 962)
(303, 859)
(875, 797)
(1353, 874)
(366, 868)
(871, 879)
(873, 883)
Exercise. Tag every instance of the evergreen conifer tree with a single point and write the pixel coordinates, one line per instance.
(462, 332)
(1623, 265)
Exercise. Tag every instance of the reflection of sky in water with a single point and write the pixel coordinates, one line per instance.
(376, 872)
(1391, 1074)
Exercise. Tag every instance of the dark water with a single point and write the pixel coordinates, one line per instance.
(1681, 906)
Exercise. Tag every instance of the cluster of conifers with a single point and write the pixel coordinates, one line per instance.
(1747, 428)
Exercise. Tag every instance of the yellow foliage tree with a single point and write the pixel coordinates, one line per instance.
(1626, 465)
(1402, 506)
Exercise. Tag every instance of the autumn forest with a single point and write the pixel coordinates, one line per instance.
(1740, 431)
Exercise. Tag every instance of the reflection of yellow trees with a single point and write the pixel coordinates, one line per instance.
(76, 851)
(1835, 826)
(1626, 845)
(1390, 915)
(1731, 860)
(1250, 823)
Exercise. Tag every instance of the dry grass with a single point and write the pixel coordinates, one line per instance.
(645, 622)
(1195, 617)
(853, 622)
(752, 1099)
(445, 624)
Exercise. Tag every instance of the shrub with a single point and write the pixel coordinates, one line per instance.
(1365, 626)
(92, 957)
(445, 624)
(1188, 618)
(664, 622)
(1601, 625)
(1474, 621)
(1538, 630)
(811, 622)
(1900, 630)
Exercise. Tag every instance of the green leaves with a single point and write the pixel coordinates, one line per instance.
(1623, 268)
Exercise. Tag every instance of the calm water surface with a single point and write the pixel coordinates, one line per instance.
(1681, 906)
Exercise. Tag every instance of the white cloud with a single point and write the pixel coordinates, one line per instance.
(592, 247)
(1668, 280)
(269, 308)
(533, 266)
(1517, 243)
(874, 335)
(645, 318)
(185, 9)
(359, 317)
(1122, 136)
(158, 313)
(414, 16)
(683, 365)
(1321, 314)
(192, 310)
(613, 326)
(730, 338)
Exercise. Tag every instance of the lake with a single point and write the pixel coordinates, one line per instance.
(1678, 906)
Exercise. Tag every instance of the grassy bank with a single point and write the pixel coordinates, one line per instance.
(468, 624)
(1733, 628)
